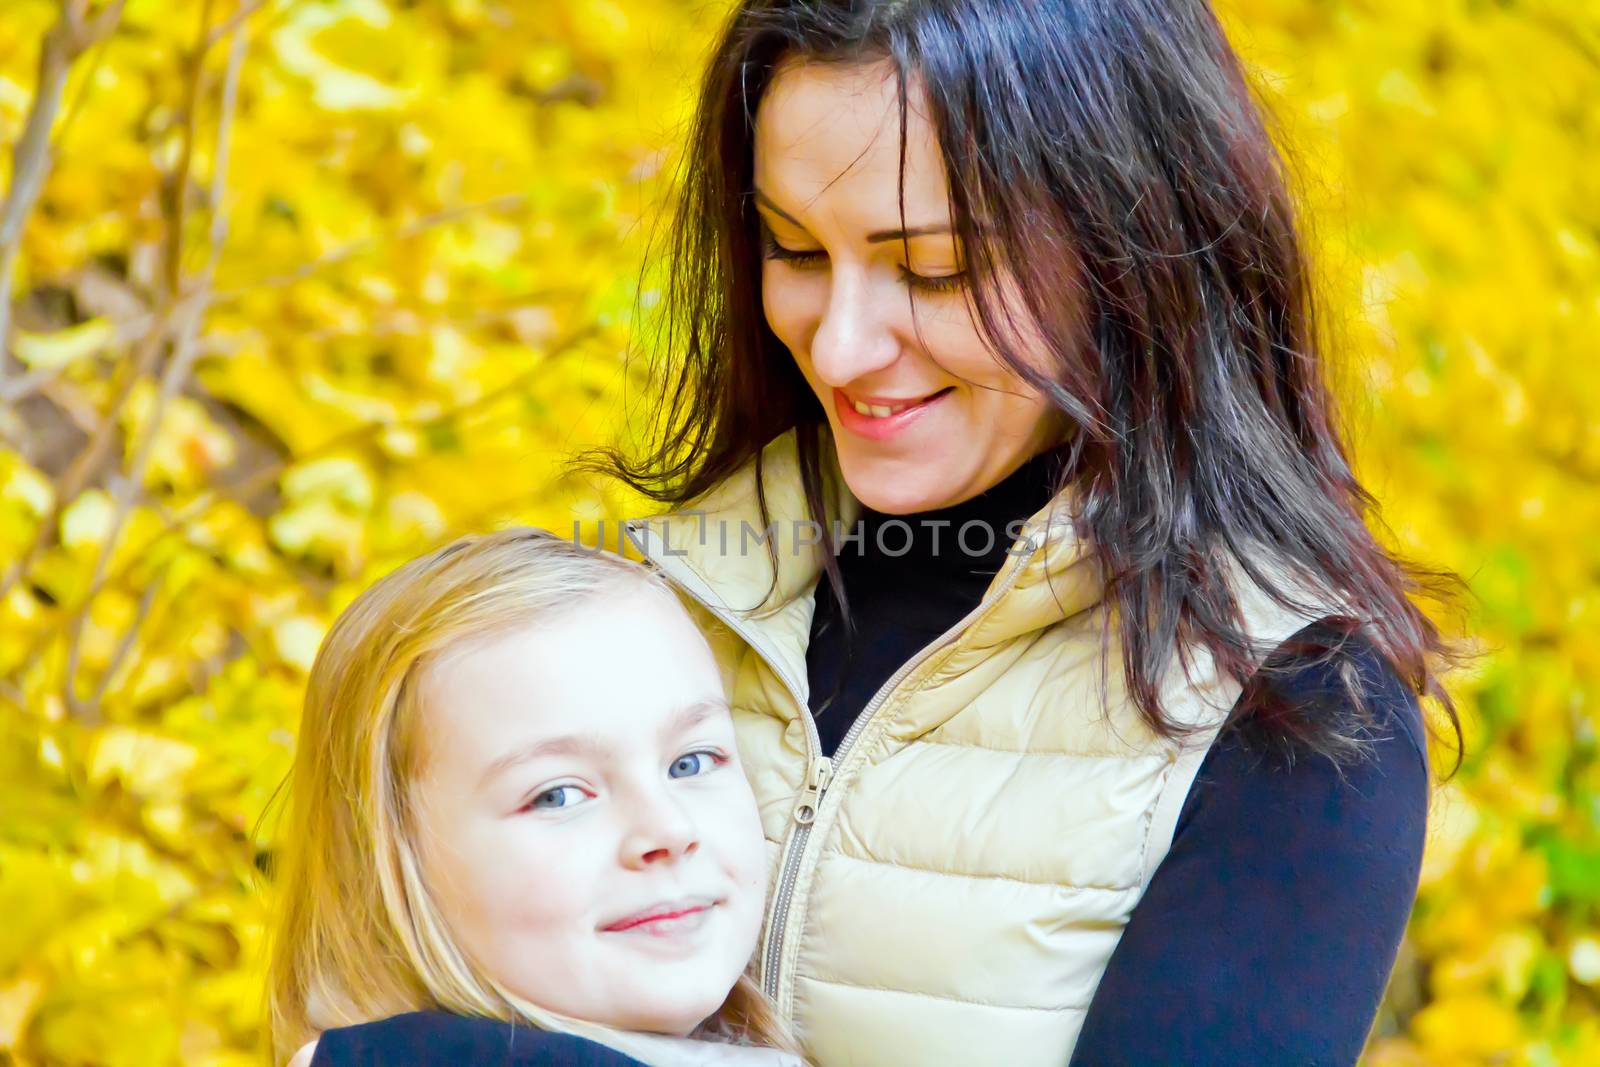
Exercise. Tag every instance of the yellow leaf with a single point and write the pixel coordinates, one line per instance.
(296, 639)
(87, 519)
(17, 1001)
(63, 347)
(146, 764)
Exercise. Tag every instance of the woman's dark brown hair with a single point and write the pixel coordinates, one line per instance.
(1109, 156)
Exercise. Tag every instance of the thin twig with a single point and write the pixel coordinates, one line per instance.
(176, 373)
(505, 202)
(367, 430)
(174, 190)
(174, 521)
(124, 646)
(233, 22)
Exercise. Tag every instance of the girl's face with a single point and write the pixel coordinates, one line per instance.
(584, 823)
(873, 320)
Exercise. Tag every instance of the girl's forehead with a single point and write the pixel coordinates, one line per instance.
(614, 672)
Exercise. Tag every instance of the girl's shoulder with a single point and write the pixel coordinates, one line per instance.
(426, 1038)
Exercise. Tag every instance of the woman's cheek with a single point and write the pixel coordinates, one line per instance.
(794, 302)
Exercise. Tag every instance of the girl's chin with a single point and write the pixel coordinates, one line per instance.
(668, 1020)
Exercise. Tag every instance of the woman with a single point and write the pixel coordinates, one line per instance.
(1127, 766)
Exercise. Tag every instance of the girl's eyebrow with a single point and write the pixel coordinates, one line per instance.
(564, 745)
(589, 744)
(875, 237)
(691, 715)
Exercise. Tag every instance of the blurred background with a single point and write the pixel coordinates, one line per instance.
(297, 289)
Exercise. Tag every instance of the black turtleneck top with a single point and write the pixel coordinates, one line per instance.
(1268, 932)
(909, 579)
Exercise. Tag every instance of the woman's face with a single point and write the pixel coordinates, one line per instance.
(587, 831)
(875, 323)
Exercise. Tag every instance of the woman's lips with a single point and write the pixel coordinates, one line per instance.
(881, 429)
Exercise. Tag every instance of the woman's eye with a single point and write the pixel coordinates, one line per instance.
(944, 283)
(687, 766)
(771, 249)
(562, 796)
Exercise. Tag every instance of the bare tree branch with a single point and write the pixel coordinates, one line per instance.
(30, 156)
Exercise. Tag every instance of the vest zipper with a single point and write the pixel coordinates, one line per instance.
(822, 768)
(819, 769)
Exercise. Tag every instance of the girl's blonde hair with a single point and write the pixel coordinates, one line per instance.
(357, 935)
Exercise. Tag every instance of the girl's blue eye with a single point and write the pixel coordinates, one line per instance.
(562, 796)
(687, 766)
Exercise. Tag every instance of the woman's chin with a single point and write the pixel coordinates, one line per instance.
(890, 487)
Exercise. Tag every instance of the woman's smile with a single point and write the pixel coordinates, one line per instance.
(881, 420)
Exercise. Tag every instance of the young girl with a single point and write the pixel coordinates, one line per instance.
(516, 796)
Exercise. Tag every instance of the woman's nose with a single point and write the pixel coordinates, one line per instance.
(852, 338)
(660, 831)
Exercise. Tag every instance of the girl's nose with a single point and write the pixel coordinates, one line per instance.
(852, 338)
(660, 831)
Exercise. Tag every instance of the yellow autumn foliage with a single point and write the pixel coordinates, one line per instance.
(309, 286)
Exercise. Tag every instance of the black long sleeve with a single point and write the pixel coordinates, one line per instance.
(431, 1038)
(1267, 934)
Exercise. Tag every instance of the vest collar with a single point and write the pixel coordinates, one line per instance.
(714, 548)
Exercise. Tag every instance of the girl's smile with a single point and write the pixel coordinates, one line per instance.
(666, 920)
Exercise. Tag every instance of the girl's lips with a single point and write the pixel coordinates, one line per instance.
(662, 922)
(877, 429)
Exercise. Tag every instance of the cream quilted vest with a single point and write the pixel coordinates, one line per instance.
(948, 888)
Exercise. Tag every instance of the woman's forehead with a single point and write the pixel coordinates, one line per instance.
(827, 138)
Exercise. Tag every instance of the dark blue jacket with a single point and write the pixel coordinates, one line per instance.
(434, 1039)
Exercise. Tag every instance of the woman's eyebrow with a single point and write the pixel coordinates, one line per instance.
(766, 201)
(875, 237)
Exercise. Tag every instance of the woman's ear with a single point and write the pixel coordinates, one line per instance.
(303, 1057)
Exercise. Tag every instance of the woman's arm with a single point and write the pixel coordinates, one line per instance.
(1268, 932)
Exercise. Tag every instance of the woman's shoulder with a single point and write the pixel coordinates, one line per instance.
(1291, 875)
(423, 1038)
(1331, 674)
(1373, 783)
